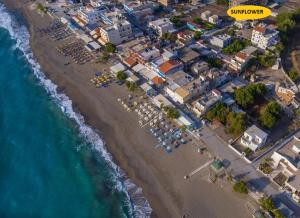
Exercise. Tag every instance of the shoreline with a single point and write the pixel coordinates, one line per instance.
(151, 169)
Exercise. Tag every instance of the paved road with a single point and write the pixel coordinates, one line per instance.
(243, 170)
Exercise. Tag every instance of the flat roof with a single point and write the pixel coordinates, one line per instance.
(255, 131)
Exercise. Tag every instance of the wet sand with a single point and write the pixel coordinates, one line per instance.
(160, 175)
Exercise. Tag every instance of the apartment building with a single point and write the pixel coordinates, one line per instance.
(220, 41)
(203, 104)
(286, 161)
(117, 33)
(254, 138)
(264, 36)
(161, 26)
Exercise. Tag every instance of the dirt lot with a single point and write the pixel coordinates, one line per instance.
(291, 57)
(289, 6)
(215, 9)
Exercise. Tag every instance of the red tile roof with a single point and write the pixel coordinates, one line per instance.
(168, 65)
(129, 61)
(260, 29)
(241, 55)
(157, 80)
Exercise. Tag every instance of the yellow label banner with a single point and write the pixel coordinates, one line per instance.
(248, 12)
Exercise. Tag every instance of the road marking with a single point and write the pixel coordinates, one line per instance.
(199, 169)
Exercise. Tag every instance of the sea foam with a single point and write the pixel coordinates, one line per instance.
(136, 201)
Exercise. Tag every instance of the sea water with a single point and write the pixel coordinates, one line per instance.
(52, 165)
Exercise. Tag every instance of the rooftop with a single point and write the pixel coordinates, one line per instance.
(255, 131)
(168, 65)
(289, 151)
(187, 55)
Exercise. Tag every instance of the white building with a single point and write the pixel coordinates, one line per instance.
(203, 104)
(220, 41)
(254, 138)
(239, 61)
(205, 15)
(264, 36)
(287, 161)
(89, 14)
(142, 11)
(161, 26)
(117, 33)
(183, 93)
(200, 67)
(214, 19)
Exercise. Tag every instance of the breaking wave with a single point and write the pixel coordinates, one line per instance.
(137, 203)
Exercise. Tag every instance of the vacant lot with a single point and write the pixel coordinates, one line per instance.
(291, 57)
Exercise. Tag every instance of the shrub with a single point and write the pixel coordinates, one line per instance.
(121, 76)
(197, 35)
(240, 187)
(248, 152)
(41, 8)
(293, 75)
(265, 168)
(131, 86)
(109, 47)
(268, 205)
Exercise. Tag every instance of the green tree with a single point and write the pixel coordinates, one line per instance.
(109, 47)
(270, 114)
(245, 96)
(279, 47)
(214, 62)
(236, 123)
(277, 214)
(197, 35)
(121, 75)
(235, 46)
(219, 112)
(267, 204)
(169, 36)
(171, 112)
(240, 187)
(104, 57)
(266, 60)
(293, 75)
(197, 20)
(222, 2)
(132, 86)
(285, 23)
(176, 20)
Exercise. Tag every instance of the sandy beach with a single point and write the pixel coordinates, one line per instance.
(160, 175)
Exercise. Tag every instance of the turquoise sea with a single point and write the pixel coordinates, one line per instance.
(51, 164)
